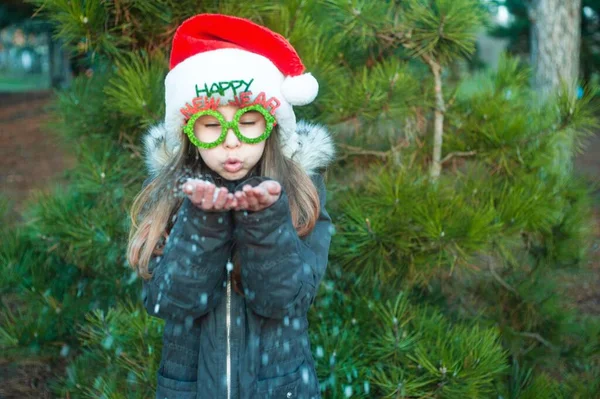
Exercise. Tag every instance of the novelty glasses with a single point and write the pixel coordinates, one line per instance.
(208, 128)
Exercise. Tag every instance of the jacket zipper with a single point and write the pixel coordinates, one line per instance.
(228, 322)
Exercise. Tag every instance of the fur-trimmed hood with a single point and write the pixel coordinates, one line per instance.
(315, 149)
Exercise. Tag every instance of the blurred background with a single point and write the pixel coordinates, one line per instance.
(31, 59)
(32, 64)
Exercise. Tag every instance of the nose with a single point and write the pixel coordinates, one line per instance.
(231, 140)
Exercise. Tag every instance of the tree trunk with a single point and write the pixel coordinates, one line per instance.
(555, 43)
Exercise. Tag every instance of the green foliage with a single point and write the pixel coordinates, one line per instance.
(446, 29)
(80, 23)
(534, 387)
(443, 29)
(504, 122)
(137, 89)
(82, 112)
(75, 234)
(334, 340)
(383, 346)
(433, 358)
(380, 237)
(496, 230)
(5, 204)
(382, 93)
(122, 346)
(78, 224)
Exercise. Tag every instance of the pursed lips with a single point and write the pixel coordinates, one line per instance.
(232, 160)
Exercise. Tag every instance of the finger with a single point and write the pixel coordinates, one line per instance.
(242, 201)
(251, 198)
(188, 188)
(238, 203)
(229, 202)
(221, 198)
(262, 197)
(196, 196)
(209, 193)
(273, 187)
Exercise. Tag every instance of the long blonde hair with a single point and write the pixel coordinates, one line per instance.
(154, 208)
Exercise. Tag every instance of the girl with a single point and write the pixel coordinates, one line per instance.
(232, 261)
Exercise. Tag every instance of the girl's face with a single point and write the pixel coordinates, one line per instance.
(232, 159)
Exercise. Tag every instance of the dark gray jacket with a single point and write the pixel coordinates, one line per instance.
(218, 344)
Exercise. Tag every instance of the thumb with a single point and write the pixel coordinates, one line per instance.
(273, 187)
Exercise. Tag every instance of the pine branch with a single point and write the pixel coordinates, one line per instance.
(357, 151)
(537, 337)
(501, 280)
(440, 110)
(457, 154)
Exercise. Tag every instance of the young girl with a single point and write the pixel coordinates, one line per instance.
(231, 222)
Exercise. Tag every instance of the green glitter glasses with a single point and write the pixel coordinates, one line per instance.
(208, 128)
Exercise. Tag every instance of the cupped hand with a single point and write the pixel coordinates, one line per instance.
(257, 198)
(205, 195)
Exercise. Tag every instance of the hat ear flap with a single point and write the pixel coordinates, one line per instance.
(300, 90)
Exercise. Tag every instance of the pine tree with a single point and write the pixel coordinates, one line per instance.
(454, 200)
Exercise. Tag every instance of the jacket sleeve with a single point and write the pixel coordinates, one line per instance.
(280, 271)
(189, 277)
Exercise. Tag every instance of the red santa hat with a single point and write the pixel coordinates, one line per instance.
(217, 57)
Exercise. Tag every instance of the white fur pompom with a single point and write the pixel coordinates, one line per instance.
(301, 89)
